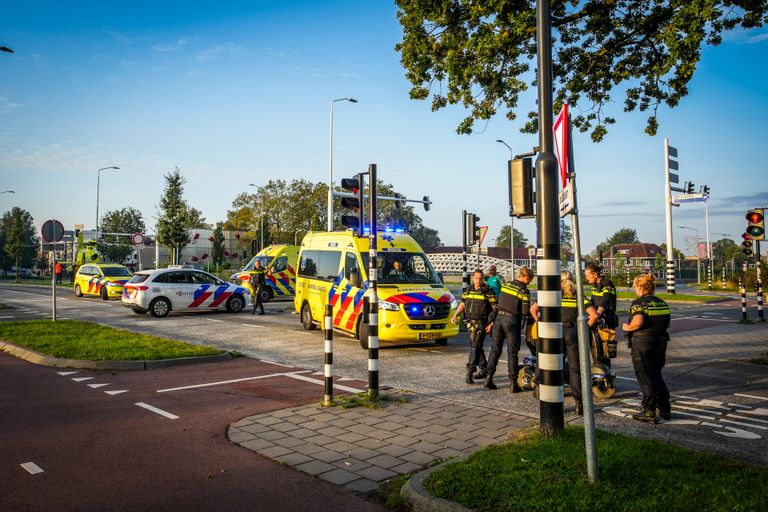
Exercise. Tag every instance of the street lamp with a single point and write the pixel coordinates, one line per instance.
(261, 223)
(295, 234)
(511, 224)
(98, 184)
(330, 164)
(698, 263)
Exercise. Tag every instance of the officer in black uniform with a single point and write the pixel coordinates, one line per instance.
(514, 304)
(603, 300)
(258, 281)
(647, 331)
(479, 306)
(569, 313)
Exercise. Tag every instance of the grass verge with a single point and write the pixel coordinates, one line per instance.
(73, 339)
(363, 400)
(759, 360)
(671, 296)
(536, 473)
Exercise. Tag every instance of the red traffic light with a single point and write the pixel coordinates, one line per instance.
(746, 236)
(754, 217)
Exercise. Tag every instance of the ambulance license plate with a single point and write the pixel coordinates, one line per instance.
(430, 335)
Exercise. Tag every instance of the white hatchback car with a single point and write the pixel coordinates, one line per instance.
(181, 289)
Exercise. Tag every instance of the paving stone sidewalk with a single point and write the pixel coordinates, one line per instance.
(360, 447)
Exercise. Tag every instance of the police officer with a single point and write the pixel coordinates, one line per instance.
(569, 314)
(603, 300)
(514, 304)
(258, 281)
(647, 332)
(479, 306)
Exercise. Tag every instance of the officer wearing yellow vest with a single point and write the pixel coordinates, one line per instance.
(258, 281)
(647, 332)
(514, 304)
(479, 306)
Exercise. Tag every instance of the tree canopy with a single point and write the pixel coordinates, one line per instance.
(482, 53)
(622, 236)
(502, 240)
(173, 215)
(18, 239)
(126, 220)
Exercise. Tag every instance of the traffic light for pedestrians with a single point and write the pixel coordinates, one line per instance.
(756, 224)
(520, 187)
(473, 230)
(354, 185)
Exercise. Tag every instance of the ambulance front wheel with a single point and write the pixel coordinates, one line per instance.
(306, 318)
(78, 291)
(266, 294)
(104, 293)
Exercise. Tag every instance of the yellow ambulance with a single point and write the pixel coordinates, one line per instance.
(103, 279)
(281, 261)
(414, 305)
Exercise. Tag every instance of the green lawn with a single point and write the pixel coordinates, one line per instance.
(73, 339)
(536, 473)
(671, 296)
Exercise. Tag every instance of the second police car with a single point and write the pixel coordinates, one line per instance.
(104, 279)
(179, 288)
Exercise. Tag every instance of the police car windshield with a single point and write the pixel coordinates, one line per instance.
(116, 271)
(404, 267)
(263, 260)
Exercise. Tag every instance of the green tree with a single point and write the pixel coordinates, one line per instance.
(502, 240)
(173, 215)
(566, 243)
(481, 53)
(126, 220)
(622, 236)
(18, 238)
(217, 251)
(195, 219)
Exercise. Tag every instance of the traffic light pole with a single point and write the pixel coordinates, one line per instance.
(464, 276)
(373, 301)
(668, 210)
(758, 268)
(550, 349)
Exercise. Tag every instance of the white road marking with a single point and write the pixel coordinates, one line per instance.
(157, 411)
(345, 379)
(66, 373)
(221, 382)
(278, 364)
(701, 318)
(322, 382)
(744, 424)
(736, 416)
(255, 325)
(32, 468)
(7, 317)
(751, 396)
(214, 320)
(116, 392)
(626, 378)
(759, 411)
(81, 379)
(94, 386)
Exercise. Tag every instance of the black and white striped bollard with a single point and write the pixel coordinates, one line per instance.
(328, 367)
(743, 290)
(373, 301)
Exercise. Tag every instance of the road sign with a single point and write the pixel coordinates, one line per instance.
(566, 200)
(689, 198)
(560, 129)
(137, 239)
(52, 231)
(483, 231)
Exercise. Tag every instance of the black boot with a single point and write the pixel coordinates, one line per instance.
(469, 379)
(646, 415)
(489, 382)
(514, 388)
(481, 373)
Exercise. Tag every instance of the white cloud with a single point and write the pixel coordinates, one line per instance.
(758, 38)
(171, 47)
(214, 52)
(7, 105)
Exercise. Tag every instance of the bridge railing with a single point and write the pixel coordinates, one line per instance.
(453, 263)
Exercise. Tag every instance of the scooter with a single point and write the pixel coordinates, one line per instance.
(603, 377)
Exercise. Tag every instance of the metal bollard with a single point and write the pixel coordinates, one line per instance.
(328, 326)
(743, 290)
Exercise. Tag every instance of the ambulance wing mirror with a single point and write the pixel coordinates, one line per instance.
(354, 277)
(441, 277)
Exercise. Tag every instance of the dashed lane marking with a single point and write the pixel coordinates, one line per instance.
(81, 379)
(278, 364)
(255, 325)
(32, 468)
(66, 373)
(7, 317)
(751, 396)
(214, 320)
(95, 386)
(222, 382)
(116, 392)
(157, 410)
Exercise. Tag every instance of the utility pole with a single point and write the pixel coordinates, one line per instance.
(669, 151)
(550, 355)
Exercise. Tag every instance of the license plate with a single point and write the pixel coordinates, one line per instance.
(430, 335)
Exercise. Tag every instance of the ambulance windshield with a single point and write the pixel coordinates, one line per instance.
(404, 267)
(116, 272)
(263, 260)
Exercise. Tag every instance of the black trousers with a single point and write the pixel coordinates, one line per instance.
(476, 331)
(505, 328)
(257, 298)
(571, 340)
(649, 355)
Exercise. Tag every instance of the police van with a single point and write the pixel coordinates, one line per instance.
(414, 305)
(281, 282)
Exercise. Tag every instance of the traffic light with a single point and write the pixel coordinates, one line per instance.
(756, 224)
(689, 187)
(473, 230)
(354, 185)
(520, 188)
(706, 190)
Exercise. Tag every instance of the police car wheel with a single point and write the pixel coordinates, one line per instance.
(104, 294)
(160, 307)
(266, 294)
(235, 304)
(306, 318)
(78, 291)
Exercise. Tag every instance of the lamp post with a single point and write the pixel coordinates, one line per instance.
(295, 234)
(261, 224)
(511, 224)
(98, 184)
(330, 164)
(698, 263)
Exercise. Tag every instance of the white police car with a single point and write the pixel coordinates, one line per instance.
(181, 289)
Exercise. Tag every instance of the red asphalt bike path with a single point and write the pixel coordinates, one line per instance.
(103, 452)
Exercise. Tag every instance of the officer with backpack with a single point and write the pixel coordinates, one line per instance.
(478, 304)
(258, 281)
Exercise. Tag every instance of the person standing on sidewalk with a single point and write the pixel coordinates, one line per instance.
(569, 313)
(648, 335)
(479, 306)
(493, 281)
(57, 270)
(514, 304)
(258, 281)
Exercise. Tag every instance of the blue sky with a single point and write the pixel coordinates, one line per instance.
(239, 92)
